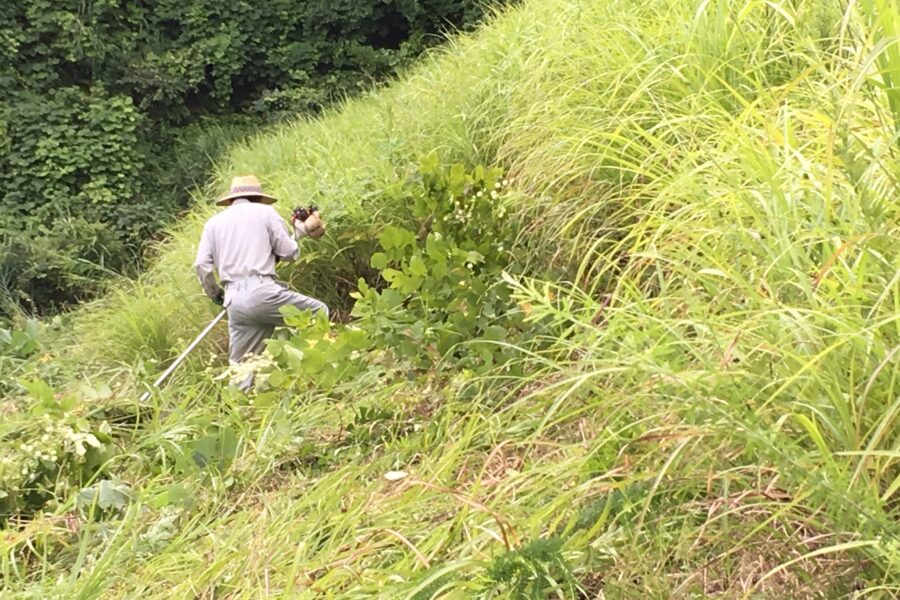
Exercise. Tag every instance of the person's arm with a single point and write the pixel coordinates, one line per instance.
(283, 245)
(205, 267)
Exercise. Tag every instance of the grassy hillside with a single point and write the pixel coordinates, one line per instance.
(650, 350)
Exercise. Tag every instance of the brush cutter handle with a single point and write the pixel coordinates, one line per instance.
(146, 395)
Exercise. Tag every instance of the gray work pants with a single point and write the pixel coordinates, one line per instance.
(253, 315)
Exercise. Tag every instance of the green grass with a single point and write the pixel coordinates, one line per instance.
(707, 197)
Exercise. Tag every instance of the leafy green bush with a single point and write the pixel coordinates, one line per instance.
(440, 294)
(17, 346)
(44, 269)
(70, 153)
(69, 452)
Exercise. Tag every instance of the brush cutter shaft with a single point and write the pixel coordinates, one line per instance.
(184, 355)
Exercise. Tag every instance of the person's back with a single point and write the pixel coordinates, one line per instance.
(244, 241)
(242, 232)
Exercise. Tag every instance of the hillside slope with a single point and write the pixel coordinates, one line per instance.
(650, 350)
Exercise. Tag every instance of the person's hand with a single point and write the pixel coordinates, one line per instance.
(300, 230)
(220, 297)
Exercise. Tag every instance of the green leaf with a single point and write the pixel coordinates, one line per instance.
(417, 266)
(105, 495)
(40, 391)
(356, 339)
(173, 495)
(407, 284)
(435, 249)
(457, 180)
(429, 164)
(391, 275)
(494, 333)
(379, 260)
(391, 237)
(474, 257)
(439, 269)
(216, 449)
(279, 379)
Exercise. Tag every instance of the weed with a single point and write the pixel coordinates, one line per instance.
(537, 570)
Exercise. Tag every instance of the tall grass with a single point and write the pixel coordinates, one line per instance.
(707, 191)
(884, 25)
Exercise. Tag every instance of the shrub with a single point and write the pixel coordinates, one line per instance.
(45, 269)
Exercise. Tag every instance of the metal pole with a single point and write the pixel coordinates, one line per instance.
(180, 359)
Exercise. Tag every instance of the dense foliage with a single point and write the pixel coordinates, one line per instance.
(101, 127)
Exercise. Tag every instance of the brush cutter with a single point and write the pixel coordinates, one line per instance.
(159, 381)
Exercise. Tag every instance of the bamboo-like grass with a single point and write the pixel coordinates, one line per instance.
(709, 190)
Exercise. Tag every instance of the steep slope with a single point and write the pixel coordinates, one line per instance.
(681, 373)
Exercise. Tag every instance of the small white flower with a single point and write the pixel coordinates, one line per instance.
(479, 194)
(497, 186)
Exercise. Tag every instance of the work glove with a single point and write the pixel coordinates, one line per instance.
(299, 230)
(220, 297)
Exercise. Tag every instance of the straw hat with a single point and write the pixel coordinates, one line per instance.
(245, 186)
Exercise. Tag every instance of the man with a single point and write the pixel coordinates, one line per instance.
(243, 243)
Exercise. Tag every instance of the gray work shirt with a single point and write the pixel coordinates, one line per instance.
(242, 241)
